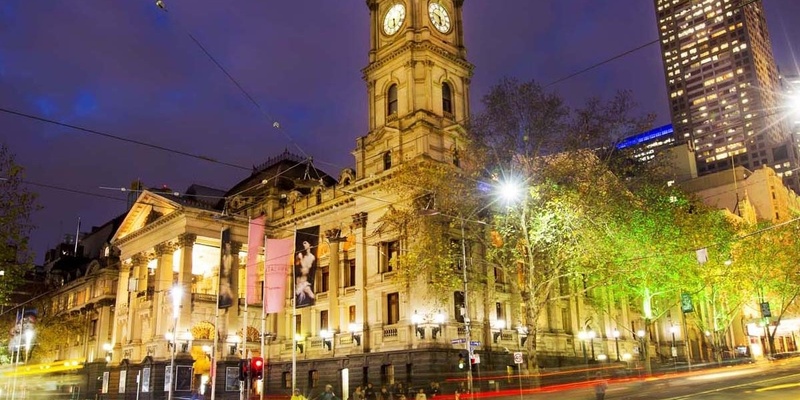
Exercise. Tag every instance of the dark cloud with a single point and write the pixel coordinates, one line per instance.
(130, 69)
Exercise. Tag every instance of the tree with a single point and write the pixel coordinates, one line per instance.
(16, 206)
(549, 240)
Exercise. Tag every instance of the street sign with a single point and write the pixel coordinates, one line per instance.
(476, 358)
(458, 341)
(517, 357)
(474, 343)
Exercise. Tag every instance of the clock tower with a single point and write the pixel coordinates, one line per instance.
(417, 84)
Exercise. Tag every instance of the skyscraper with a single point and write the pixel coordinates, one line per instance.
(723, 84)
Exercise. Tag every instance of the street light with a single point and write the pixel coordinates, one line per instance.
(616, 341)
(176, 293)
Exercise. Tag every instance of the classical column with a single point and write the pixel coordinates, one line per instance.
(360, 232)
(139, 270)
(334, 237)
(122, 302)
(186, 243)
(162, 306)
(231, 318)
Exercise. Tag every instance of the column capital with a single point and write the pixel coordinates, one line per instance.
(360, 220)
(186, 240)
(235, 247)
(334, 235)
(164, 248)
(138, 259)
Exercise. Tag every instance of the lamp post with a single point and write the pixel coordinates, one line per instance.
(616, 341)
(640, 335)
(466, 306)
(177, 293)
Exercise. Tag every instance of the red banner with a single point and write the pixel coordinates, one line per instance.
(255, 237)
(277, 259)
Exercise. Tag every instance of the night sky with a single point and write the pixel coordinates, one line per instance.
(129, 69)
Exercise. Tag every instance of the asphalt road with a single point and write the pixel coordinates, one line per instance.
(764, 380)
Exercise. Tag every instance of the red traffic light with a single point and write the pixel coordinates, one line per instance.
(256, 367)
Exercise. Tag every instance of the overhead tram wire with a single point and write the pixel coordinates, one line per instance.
(275, 123)
(124, 139)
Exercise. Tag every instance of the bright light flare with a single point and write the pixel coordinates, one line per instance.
(510, 191)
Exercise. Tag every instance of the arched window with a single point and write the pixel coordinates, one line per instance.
(447, 98)
(392, 100)
(387, 160)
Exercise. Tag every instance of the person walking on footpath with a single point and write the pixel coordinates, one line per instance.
(327, 394)
(298, 395)
(600, 387)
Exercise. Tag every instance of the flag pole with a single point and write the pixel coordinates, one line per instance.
(265, 378)
(244, 315)
(294, 319)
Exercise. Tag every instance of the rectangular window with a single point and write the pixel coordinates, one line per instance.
(458, 306)
(313, 378)
(392, 308)
(387, 374)
(323, 319)
(352, 316)
(500, 310)
(566, 323)
(325, 280)
(563, 285)
(350, 277)
(389, 254)
(286, 379)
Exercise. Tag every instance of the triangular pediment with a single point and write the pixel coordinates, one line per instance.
(149, 207)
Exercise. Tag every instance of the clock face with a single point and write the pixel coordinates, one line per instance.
(394, 19)
(439, 17)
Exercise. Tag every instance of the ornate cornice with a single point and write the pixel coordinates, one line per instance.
(410, 46)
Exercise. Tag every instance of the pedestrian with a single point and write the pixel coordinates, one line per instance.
(358, 394)
(298, 395)
(421, 395)
(369, 392)
(600, 387)
(327, 394)
(385, 394)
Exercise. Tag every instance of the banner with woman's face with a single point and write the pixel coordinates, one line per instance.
(305, 266)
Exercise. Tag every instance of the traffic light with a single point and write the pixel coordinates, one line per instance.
(462, 360)
(256, 368)
(244, 372)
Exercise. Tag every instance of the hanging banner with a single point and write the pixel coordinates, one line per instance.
(225, 292)
(277, 259)
(255, 237)
(305, 266)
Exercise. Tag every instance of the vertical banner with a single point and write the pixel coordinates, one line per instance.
(255, 236)
(225, 293)
(305, 266)
(277, 259)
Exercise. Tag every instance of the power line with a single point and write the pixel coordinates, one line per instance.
(123, 139)
(623, 54)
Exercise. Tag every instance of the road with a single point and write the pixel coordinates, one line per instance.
(764, 380)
